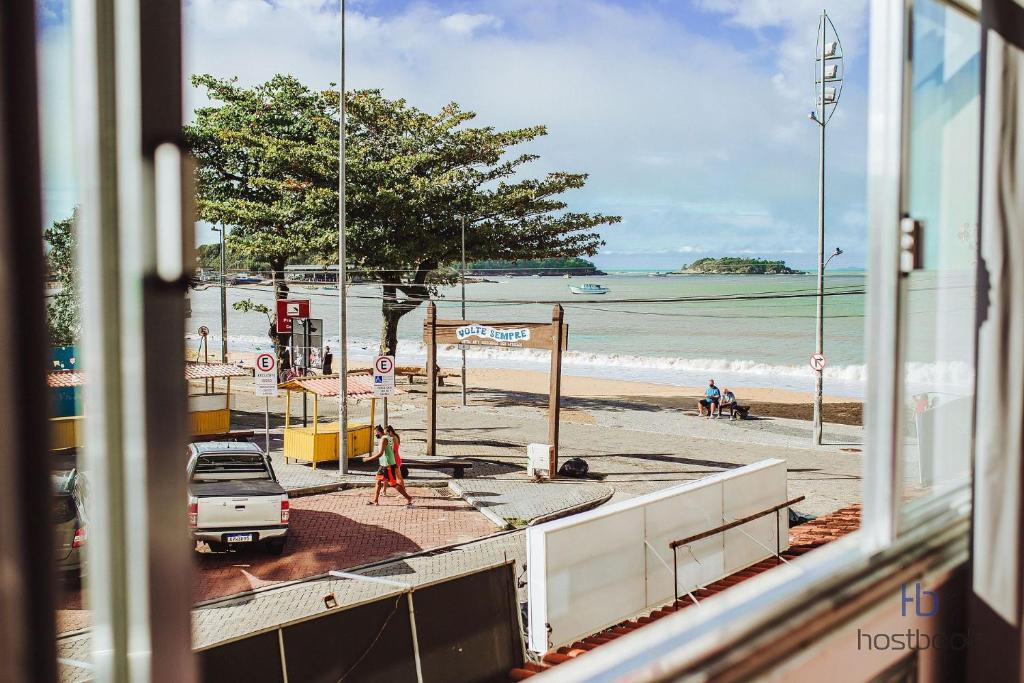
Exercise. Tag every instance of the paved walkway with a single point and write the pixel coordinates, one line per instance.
(631, 450)
(328, 531)
(515, 500)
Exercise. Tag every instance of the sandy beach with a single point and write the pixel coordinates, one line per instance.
(532, 387)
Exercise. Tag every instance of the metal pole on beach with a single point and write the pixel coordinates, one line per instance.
(223, 299)
(819, 334)
(463, 278)
(829, 70)
(342, 270)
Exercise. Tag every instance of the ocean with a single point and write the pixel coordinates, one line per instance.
(742, 330)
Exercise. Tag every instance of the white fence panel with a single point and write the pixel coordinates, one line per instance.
(595, 569)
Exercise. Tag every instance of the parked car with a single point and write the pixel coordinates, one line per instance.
(69, 519)
(234, 499)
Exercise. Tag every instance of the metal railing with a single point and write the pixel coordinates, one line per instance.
(675, 545)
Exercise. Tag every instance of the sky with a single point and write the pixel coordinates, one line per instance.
(689, 115)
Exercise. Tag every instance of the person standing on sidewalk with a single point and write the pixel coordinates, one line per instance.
(385, 455)
(327, 367)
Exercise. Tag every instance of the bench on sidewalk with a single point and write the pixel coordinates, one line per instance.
(413, 371)
(457, 465)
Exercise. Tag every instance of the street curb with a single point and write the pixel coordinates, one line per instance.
(346, 485)
(582, 507)
(485, 510)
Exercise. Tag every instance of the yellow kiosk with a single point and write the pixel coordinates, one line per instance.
(318, 442)
(65, 426)
(209, 409)
(209, 412)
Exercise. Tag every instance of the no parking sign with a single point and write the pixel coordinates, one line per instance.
(383, 376)
(266, 375)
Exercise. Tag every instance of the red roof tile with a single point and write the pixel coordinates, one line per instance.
(65, 378)
(802, 539)
(359, 386)
(193, 371)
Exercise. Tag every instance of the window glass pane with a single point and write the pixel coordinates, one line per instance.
(939, 297)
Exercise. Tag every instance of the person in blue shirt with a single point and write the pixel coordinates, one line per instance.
(712, 400)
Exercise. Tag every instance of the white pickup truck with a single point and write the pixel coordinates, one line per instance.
(234, 498)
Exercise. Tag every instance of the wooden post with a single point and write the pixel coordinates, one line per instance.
(555, 391)
(316, 413)
(431, 323)
(287, 408)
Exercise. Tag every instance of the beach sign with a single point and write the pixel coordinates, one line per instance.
(502, 337)
(288, 309)
(818, 362)
(476, 333)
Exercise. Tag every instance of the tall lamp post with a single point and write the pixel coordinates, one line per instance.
(463, 279)
(342, 271)
(828, 82)
(223, 300)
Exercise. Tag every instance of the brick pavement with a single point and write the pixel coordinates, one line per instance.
(328, 531)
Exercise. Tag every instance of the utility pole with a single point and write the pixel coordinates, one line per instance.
(223, 299)
(830, 65)
(342, 272)
(463, 278)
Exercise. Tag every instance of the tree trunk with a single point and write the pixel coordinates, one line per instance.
(392, 308)
(390, 315)
(280, 292)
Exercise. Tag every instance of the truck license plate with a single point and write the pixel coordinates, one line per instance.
(239, 538)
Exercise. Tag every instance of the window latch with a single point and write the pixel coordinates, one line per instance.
(911, 245)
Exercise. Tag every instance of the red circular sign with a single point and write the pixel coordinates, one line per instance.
(383, 365)
(204, 331)
(817, 362)
(265, 362)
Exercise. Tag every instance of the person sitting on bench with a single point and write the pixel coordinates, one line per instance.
(711, 400)
(729, 403)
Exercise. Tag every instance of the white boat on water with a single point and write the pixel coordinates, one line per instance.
(588, 288)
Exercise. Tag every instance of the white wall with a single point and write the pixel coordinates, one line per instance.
(590, 571)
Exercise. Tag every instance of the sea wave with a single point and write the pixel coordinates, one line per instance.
(847, 379)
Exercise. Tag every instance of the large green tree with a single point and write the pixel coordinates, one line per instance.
(62, 314)
(268, 166)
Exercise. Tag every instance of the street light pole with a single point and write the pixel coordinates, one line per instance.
(342, 271)
(463, 278)
(819, 332)
(826, 73)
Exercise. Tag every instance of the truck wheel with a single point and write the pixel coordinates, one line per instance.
(275, 547)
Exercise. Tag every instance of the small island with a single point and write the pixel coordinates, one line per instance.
(526, 267)
(732, 265)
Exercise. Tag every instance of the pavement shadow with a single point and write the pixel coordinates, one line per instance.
(318, 542)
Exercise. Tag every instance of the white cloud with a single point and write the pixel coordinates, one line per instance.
(691, 139)
(468, 23)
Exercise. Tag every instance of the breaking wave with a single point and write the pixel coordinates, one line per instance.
(843, 380)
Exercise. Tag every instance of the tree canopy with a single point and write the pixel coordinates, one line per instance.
(739, 266)
(62, 315)
(268, 165)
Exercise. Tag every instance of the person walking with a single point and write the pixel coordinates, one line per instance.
(327, 366)
(397, 441)
(385, 455)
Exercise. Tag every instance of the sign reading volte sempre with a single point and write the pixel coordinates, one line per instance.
(501, 336)
(466, 333)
